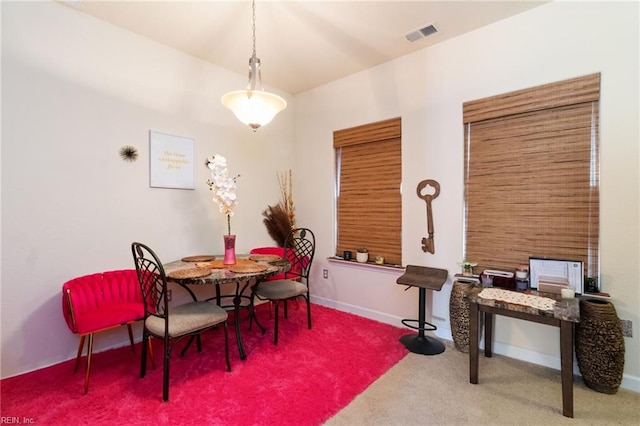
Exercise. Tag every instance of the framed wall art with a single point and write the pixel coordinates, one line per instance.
(171, 161)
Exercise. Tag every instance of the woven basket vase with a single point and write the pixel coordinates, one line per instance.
(600, 346)
(459, 315)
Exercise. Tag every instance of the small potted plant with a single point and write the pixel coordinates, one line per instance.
(362, 255)
(467, 268)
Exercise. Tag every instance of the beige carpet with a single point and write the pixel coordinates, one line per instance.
(435, 390)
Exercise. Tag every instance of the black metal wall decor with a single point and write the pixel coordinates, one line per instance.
(428, 244)
(128, 153)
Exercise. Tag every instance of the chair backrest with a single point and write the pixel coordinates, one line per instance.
(300, 247)
(153, 281)
(84, 295)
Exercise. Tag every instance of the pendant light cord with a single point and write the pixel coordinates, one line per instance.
(253, 27)
(255, 80)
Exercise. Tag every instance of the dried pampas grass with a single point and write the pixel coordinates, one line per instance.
(280, 219)
(278, 223)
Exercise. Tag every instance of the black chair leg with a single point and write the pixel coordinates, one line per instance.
(420, 343)
(165, 374)
(226, 346)
(143, 363)
(186, 347)
(275, 332)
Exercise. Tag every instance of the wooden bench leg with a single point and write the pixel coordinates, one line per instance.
(88, 371)
(79, 355)
(133, 348)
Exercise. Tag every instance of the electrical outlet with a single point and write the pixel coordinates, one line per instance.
(627, 328)
(169, 295)
(325, 273)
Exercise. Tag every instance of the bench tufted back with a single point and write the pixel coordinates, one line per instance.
(102, 300)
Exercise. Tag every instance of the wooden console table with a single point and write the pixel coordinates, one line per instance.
(565, 315)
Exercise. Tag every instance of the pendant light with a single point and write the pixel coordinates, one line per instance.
(253, 106)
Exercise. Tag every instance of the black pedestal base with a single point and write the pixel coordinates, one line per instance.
(424, 345)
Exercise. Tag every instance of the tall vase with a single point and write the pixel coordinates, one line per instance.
(459, 315)
(600, 345)
(229, 249)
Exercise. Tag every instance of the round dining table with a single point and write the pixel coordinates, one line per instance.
(205, 270)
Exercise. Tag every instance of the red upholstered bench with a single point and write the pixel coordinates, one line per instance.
(100, 302)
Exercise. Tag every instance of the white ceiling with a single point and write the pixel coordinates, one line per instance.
(301, 44)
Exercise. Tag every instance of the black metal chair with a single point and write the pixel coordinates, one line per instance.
(171, 324)
(299, 250)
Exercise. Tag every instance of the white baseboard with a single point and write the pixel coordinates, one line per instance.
(629, 382)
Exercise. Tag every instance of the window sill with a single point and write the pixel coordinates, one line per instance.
(386, 267)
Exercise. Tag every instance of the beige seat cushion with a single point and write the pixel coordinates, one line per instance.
(281, 289)
(187, 318)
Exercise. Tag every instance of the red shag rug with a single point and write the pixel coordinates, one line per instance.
(304, 380)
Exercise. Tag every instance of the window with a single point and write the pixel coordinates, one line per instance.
(368, 199)
(531, 175)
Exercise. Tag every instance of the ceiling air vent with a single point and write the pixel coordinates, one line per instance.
(421, 33)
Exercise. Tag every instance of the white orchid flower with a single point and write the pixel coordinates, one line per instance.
(223, 186)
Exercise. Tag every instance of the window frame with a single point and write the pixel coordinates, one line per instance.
(367, 190)
(560, 104)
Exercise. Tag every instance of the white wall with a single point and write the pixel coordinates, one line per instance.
(553, 42)
(74, 91)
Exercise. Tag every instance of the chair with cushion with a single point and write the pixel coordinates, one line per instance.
(276, 251)
(99, 302)
(171, 323)
(299, 250)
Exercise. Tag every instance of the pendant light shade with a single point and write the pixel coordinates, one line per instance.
(253, 106)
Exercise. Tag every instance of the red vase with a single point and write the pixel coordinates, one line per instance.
(229, 249)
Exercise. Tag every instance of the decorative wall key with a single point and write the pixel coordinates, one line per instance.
(428, 244)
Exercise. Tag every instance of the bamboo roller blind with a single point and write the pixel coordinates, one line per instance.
(368, 199)
(531, 176)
